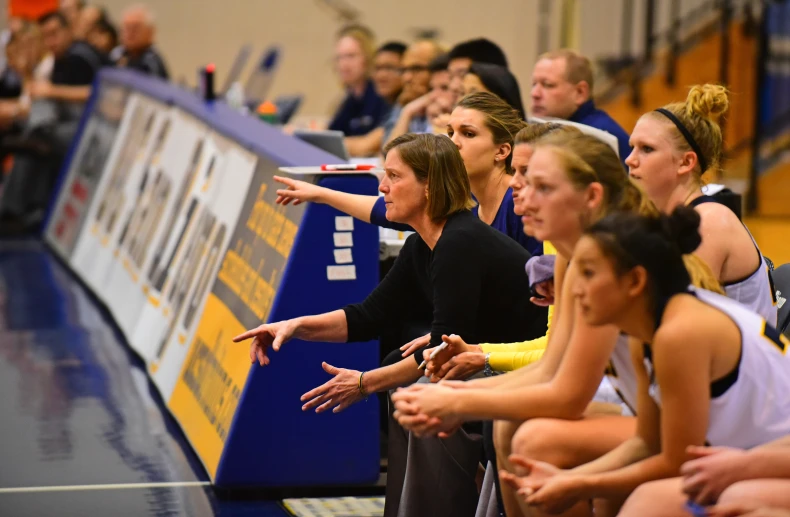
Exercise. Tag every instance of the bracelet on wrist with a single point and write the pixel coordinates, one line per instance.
(362, 390)
(487, 371)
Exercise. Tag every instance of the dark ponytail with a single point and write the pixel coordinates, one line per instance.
(656, 242)
(682, 228)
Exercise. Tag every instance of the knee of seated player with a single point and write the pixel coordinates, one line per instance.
(642, 501)
(539, 439)
(770, 492)
(504, 431)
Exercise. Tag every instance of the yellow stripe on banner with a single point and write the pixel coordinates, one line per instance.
(210, 383)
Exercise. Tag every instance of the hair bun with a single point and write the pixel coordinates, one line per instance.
(709, 101)
(682, 228)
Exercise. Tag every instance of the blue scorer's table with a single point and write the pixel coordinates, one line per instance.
(166, 212)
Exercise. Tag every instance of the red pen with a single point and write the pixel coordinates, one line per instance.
(347, 167)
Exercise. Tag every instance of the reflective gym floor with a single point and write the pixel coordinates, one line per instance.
(83, 432)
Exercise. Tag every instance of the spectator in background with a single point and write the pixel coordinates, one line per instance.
(70, 9)
(88, 17)
(27, 61)
(363, 109)
(10, 86)
(103, 36)
(76, 63)
(54, 117)
(137, 50)
(34, 61)
(562, 87)
(388, 84)
(465, 53)
(496, 79)
(442, 98)
(408, 116)
(386, 70)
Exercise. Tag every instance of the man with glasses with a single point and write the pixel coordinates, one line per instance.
(416, 77)
(387, 70)
(388, 83)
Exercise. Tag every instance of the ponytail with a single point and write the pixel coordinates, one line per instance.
(701, 274)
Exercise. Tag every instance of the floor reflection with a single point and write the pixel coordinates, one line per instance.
(79, 410)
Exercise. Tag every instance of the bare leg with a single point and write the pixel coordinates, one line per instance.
(568, 444)
(503, 437)
(642, 502)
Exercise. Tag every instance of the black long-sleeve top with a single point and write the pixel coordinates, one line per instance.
(472, 284)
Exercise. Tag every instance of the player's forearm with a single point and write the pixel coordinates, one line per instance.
(621, 482)
(768, 462)
(627, 453)
(541, 400)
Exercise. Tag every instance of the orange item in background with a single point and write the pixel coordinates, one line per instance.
(31, 9)
(267, 108)
(267, 112)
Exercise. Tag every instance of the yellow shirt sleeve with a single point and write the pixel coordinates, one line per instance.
(506, 357)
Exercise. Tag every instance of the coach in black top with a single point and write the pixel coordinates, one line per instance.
(137, 49)
(467, 277)
(455, 271)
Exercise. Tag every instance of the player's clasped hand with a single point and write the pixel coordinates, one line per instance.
(272, 335)
(546, 291)
(427, 409)
(457, 361)
(543, 485)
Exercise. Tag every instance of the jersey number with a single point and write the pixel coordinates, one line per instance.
(776, 339)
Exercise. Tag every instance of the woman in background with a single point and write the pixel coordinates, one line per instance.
(363, 109)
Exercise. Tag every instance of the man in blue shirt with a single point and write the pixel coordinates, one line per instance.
(562, 87)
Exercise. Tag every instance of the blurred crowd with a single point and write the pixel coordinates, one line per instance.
(46, 78)
(397, 88)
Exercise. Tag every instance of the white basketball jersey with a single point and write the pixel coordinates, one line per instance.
(756, 291)
(621, 374)
(755, 408)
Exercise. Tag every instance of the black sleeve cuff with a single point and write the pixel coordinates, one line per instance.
(418, 355)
